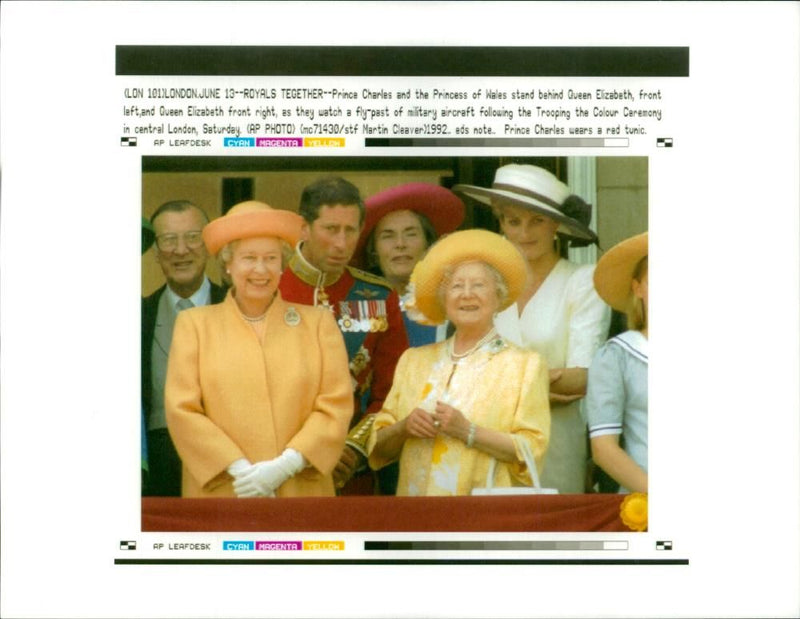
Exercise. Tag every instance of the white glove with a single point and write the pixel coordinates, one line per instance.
(238, 467)
(263, 478)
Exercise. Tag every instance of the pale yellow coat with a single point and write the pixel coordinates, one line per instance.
(500, 387)
(230, 395)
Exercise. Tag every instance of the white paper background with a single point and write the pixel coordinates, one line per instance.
(723, 211)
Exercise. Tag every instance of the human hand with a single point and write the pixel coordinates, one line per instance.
(557, 398)
(451, 421)
(238, 467)
(555, 375)
(420, 424)
(567, 385)
(263, 478)
(348, 464)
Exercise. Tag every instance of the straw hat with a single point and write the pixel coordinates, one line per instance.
(463, 246)
(249, 219)
(537, 189)
(148, 235)
(614, 271)
(441, 206)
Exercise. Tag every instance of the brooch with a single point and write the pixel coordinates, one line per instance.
(291, 317)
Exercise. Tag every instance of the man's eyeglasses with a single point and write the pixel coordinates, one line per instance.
(169, 242)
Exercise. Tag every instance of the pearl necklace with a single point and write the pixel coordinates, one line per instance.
(455, 356)
(256, 319)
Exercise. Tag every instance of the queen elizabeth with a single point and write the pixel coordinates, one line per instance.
(258, 395)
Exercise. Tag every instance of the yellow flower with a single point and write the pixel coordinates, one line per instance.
(633, 511)
(426, 390)
(439, 449)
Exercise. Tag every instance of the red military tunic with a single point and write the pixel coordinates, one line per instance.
(367, 310)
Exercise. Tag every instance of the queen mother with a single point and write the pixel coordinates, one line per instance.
(456, 406)
(258, 392)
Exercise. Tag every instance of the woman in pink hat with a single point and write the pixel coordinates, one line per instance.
(400, 224)
(558, 314)
(258, 393)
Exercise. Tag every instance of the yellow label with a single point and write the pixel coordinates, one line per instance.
(317, 142)
(323, 545)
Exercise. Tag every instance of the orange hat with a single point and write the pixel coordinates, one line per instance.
(463, 246)
(250, 219)
(614, 271)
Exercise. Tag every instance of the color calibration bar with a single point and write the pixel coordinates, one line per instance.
(505, 142)
(283, 545)
(541, 545)
(287, 142)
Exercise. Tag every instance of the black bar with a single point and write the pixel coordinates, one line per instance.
(203, 163)
(401, 561)
(402, 61)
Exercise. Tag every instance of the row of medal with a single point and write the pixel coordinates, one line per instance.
(362, 316)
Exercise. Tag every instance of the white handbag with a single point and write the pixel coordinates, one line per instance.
(530, 462)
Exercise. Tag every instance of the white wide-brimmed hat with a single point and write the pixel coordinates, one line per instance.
(537, 189)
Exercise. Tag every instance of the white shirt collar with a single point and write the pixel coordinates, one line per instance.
(202, 295)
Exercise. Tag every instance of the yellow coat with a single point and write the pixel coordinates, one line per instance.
(500, 387)
(231, 396)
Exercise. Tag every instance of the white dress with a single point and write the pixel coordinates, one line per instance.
(565, 322)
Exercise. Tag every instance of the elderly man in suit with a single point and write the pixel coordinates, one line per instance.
(182, 256)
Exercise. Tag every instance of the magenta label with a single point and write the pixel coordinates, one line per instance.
(279, 545)
(280, 142)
